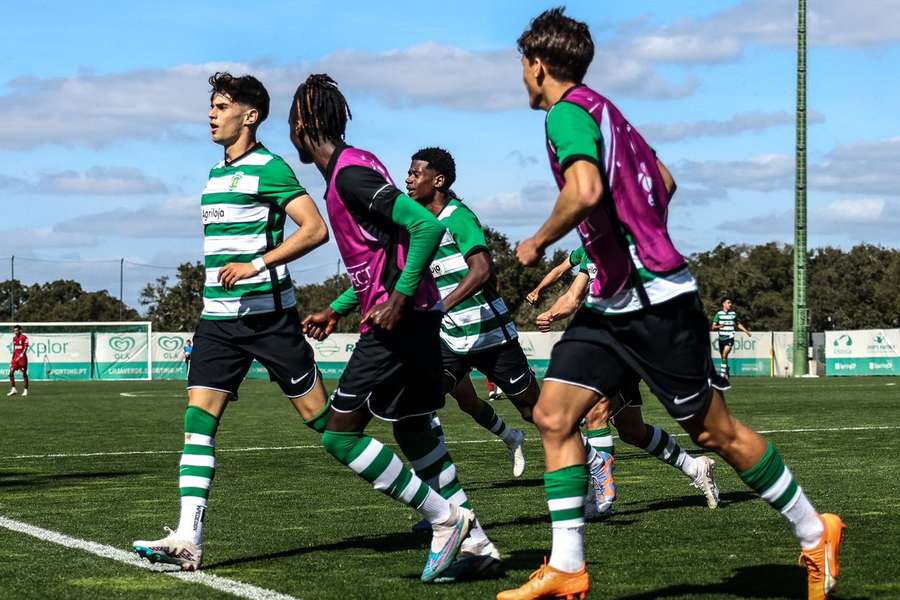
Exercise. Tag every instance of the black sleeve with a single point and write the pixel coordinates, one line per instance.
(367, 191)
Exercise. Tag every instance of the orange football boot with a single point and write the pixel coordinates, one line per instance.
(822, 563)
(548, 582)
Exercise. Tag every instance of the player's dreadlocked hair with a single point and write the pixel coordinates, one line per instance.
(245, 89)
(562, 43)
(440, 161)
(322, 108)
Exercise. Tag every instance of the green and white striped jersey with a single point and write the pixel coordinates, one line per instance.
(728, 320)
(243, 217)
(481, 321)
(659, 288)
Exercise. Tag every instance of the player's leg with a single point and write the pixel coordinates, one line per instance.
(493, 390)
(724, 371)
(12, 382)
(600, 460)
(25, 381)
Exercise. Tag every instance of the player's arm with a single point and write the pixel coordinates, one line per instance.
(555, 274)
(741, 327)
(469, 238)
(715, 324)
(321, 324)
(668, 179)
(566, 304)
(279, 186)
(577, 140)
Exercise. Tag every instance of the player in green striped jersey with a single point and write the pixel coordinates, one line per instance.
(477, 331)
(725, 322)
(248, 300)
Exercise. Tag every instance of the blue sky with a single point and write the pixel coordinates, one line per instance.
(105, 147)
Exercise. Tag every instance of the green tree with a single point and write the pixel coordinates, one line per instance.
(19, 293)
(314, 297)
(176, 307)
(65, 300)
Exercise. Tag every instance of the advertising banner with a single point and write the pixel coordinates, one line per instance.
(750, 356)
(53, 356)
(783, 352)
(120, 355)
(862, 352)
(167, 351)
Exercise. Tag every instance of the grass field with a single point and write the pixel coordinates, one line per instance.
(84, 460)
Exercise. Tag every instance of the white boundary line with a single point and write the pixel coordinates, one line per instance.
(222, 584)
(449, 442)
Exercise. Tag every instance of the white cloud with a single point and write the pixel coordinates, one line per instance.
(862, 210)
(860, 168)
(529, 205)
(763, 173)
(96, 181)
(172, 218)
(27, 240)
(753, 122)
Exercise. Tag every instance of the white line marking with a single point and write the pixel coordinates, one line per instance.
(222, 584)
(449, 442)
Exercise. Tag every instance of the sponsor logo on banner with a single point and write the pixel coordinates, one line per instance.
(169, 343)
(121, 344)
(327, 347)
(843, 344)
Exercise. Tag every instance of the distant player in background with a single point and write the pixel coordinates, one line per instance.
(188, 349)
(19, 361)
(493, 390)
(725, 322)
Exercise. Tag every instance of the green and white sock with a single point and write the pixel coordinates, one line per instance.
(772, 480)
(432, 463)
(664, 447)
(380, 466)
(602, 440)
(489, 419)
(196, 471)
(566, 489)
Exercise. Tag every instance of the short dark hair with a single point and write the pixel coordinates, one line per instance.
(562, 43)
(727, 299)
(17, 327)
(245, 89)
(440, 161)
(322, 106)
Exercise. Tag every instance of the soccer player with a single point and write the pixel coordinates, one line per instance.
(725, 321)
(612, 191)
(573, 260)
(188, 349)
(628, 418)
(19, 361)
(387, 240)
(477, 331)
(248, 299)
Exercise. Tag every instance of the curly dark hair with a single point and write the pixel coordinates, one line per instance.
(323, 108)
(245, 89)
(439, 161)
(563, 44)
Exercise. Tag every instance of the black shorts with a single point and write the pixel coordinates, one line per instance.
(666, 345)
(505, 365)
(725, 343)
(225, 349)
(397, 374)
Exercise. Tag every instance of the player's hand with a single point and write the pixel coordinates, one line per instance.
(387, 314)
(319, 325)
(749, 334)
(533, 297)
(544, 321)
(231, 273)
(529, 252)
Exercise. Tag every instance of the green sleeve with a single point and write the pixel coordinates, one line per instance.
(466, 231)
(576, 256)
(425, 233)
(278, 184)
(585, 264)
(345, 303)
(573, 134)
(716, 318)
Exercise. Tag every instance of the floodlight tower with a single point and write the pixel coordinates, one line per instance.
(801, 311)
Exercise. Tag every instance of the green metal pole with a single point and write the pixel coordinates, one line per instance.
(801, 312)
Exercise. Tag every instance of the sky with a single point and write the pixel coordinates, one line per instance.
(105, 149)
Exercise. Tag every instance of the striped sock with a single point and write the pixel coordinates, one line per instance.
(488, 418)
(196, 471)
(436, 427)
(772, 480)
(377, 464)
(664, 447)
(602, 440)
(431, 462)
(566, 489)
(591, 456)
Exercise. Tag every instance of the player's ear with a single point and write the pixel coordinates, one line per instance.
(439, 181)
(251, 117)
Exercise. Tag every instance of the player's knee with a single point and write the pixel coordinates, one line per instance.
(551, 424)
(340, 444)
(719, 439)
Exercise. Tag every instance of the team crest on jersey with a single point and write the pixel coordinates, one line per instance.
(235, 181)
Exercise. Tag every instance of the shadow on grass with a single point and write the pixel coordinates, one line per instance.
(725, 500)
(759, 581)
(27, 481)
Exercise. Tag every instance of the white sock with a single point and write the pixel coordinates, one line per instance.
(688, 464)
(477, 534)
(804, 521)
(193, 514)
(568, 549)
(436, 509)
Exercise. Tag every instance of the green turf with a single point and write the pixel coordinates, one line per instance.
(294, 521)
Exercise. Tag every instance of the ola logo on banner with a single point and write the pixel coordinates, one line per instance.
(327, 347)
(169, 343)
(121, 343)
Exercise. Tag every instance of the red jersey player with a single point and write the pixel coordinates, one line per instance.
(19, 361)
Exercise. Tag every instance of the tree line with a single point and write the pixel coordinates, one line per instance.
(854, 289)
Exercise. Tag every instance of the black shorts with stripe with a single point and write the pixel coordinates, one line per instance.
(666, 345)
(506, 365)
